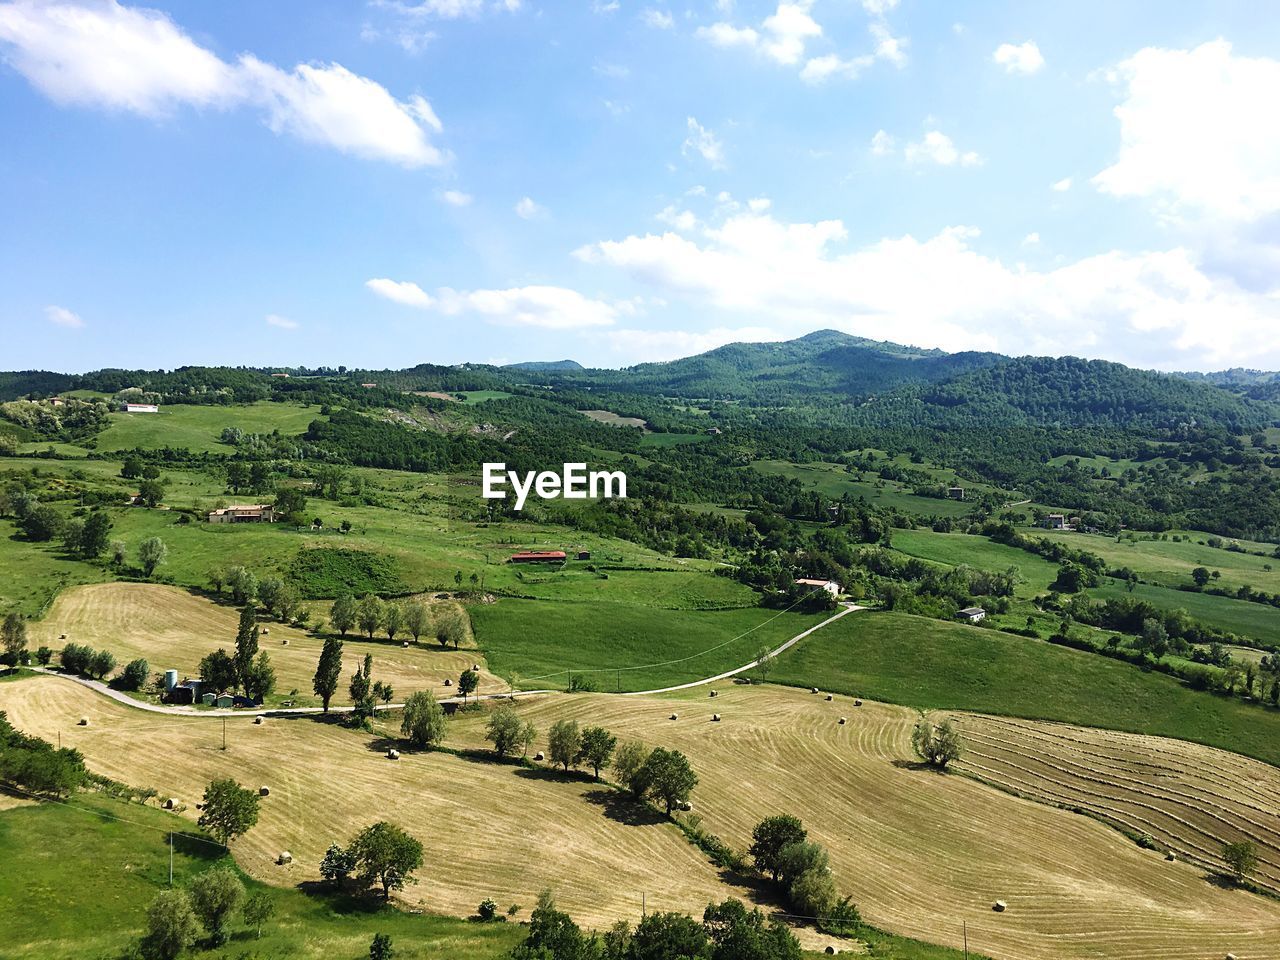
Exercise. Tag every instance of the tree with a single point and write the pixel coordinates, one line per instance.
(417, 619)
(467, 683)
(1241, 859)
(528, 733)
(770, 836)
(361, 689)
(95, 535)
(563, 742)
(246, 645)
(216, 894)
(258, 909)
(369, 614)
(131, 469)
(135, 674)
(661, 936)
(151, 492)
(260, 680)
(343, 613)
(669, 777)
(596, 749)
(337, 864)
(451, 627)
(627, 765)
(813, 893)
(553, 934)
(385, 854)
(230, 810)
(237, 476)
(1154, 639)
(936, 746)
(101, 663)
(243, 585)
(171, 925)
(40, 524)
(218, 670)
(1201, 576)
(217, 579)
(503, 730)
(764, 663)
(13, 634)
(287, 602)
(381, 948)
(328, 671)
(739, 934)
(423, 723)
(151, 553)
(269, 591)
(291, 503)
(393, 620)
(799, 858)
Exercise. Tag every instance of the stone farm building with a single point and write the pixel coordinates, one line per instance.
(973, 614)
(244, 513)
(830, 586)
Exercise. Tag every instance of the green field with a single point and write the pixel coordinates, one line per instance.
(1259, 621)
(480, 396)
(536, 645)
(83, 873)
(935, 665)
(955, 549)
(832, 481)
(671, 439)
(198, 427)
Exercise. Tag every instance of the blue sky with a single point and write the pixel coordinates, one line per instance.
(388, 183)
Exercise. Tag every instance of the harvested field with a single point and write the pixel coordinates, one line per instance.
(615, 420)
(1186, 798)
(173, 629)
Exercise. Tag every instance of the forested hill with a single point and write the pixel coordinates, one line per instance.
(545, 365)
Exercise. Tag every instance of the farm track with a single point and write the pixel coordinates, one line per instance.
(1186, 798)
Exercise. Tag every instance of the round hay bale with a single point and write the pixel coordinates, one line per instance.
(405, 644)
(284, 642)
(258, 720)
(857, 703)
(84, 721)
(813, 689)
(831, 951)
(715, 693)
(686, 806)
(393, 754)
(539, 755)
(265, 631)
(999, 906)
(285, 857)
(475, 667)
(715, 718)
(843, 721)
(1230, 956)
(169, 803)
(675, 716)
(448, 682)
(1171, 856)
(264, 791)
(830, 698)
(63, 637)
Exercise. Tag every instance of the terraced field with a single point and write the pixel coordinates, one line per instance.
(1185, 798)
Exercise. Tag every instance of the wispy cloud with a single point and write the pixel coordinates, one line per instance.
(704, 142)
(527, 209)
(62, 317)
(283, 323)
(1024, 58)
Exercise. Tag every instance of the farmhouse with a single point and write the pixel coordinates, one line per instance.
(539, 556)
(1056, 521)
(140, 408)
(244, 513)
(955, 493)
(830, 586)
(973, 614)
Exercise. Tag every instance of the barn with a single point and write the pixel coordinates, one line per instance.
(539, 556)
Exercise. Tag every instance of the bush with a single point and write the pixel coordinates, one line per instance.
(134, 675)
(488, 910)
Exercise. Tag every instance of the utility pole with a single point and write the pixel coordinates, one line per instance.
(965, 927)
(224, 733)
(643, 909)
(171, 858)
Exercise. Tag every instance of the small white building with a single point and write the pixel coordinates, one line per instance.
(973, 614)
(140, 408)
(1056, 521)
(244, 513)
(830, 586)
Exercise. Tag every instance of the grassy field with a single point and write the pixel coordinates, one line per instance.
(671, 439)
(831, 480)
(171, 629)
(918, 852)
(935, 665)
(199, 427)
(1257, 620)
(615, 646)
(90, 867)
(955, 549)
(1184, 797)
(480, 396)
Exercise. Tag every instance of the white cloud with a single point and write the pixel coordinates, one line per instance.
(610, 7)
(802, 275)
(1022, 58)
(283, 323)
(673, 216)
(878, 8)
(641, 346)
(727, 35)
(888, 47)
(137, 60)
(1197, 132)
(819, 69)
(759, 204)
(456, 198)
(62, 317)
(1061, 186)
(788, 29)
(658, 19)
(615, 71)
(883, 143)
(937, 147)
(549, 308)
(526, 209)
(445, 9)
(404, 292)
(1031, 240)
(703, 142)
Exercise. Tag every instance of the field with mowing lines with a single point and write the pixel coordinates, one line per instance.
(955, 549)
(199, 427)
(172, 629)
(1186, 798)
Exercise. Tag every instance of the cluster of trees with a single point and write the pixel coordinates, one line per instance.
(35, 765)
(13, 639)
(382, 854)
(247, 668)
(782, 851)
(279, 597)
(372, 615)
(81, 659)
(728, 931)
(938, 745)
(176, 918)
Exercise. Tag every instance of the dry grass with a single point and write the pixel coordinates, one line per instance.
(919, 852)
(1186, 798)
(173, 629)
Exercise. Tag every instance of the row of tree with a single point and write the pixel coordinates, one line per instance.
(372, 615)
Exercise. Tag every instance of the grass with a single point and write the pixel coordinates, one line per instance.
(935, 665)
(955, 549)
(1257, 620)
(480, 396)
(90, 867)
(199, 428)
(832, 481)
(333, 571)
(538, 644)
(671, 439)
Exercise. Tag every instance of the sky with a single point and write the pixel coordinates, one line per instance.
(381, 183)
